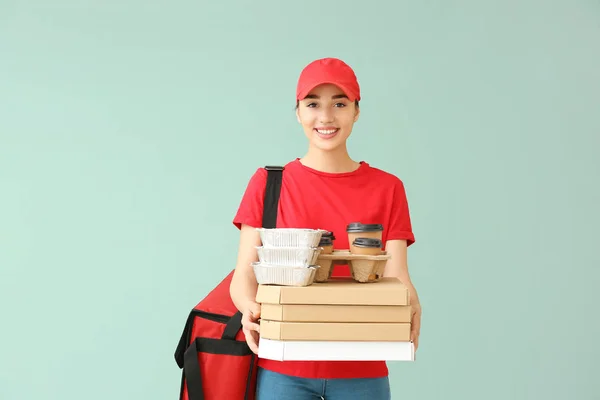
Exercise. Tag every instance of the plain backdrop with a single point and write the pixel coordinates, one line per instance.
(129, 130)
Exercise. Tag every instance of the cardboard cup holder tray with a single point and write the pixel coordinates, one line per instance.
(364, 268)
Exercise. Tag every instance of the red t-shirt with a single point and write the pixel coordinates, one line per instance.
(321, 200)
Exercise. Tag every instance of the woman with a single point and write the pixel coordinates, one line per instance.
(325, 189)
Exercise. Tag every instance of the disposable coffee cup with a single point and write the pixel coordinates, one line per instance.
(366, 246)
(357, 230)
(327, 244)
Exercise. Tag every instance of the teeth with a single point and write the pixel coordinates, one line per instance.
(327, 132)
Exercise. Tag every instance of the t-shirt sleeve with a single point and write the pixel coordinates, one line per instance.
(250, 210)
(400, 226)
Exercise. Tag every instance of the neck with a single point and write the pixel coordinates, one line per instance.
(335, 161)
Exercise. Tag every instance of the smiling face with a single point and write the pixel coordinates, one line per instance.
(327, 117)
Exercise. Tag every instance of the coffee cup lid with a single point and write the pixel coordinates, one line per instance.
(325, 241)
(358, 227)
(367, 242)
(328, 235)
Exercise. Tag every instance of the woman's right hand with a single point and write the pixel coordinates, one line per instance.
(250, 325)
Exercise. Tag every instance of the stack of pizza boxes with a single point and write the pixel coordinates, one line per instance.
(306, 314)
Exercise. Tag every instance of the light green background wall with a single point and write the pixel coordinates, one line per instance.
(129, 129)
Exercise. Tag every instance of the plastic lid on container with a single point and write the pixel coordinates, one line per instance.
(358, 227)
(328, 234)
(325, 241)
(367, 242)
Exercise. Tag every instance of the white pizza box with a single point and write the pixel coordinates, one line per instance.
(290, 350)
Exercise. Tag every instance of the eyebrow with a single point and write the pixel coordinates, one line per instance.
(337, 96)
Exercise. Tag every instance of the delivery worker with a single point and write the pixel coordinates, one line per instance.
(325, 189)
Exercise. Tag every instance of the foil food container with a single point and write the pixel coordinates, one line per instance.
(289, 256)
(267, 274)
(290, 237)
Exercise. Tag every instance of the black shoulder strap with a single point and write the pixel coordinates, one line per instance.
(272, 192)
(187, 357)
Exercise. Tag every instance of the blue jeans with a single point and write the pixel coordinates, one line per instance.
(274, 386)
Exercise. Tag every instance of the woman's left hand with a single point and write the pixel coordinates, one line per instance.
(415, 324)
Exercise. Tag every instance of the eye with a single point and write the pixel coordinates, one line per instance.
(311, 105)
(340, 104)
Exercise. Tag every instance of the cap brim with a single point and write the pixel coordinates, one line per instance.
(306, 90)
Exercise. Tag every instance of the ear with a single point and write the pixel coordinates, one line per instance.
(357, 114)
(298, 115)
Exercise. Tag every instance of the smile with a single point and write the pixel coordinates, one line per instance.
(326, 133)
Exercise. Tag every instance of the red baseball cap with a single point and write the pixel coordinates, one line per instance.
(328, 70)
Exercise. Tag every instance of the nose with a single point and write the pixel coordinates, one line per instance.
(326, 115)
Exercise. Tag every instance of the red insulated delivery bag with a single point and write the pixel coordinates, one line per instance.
(215, 359)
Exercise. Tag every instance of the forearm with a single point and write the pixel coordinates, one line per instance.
(397, 266)
(243, 285)
(243, 288)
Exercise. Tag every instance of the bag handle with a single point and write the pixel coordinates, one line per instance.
(233, 326)
(192, 373)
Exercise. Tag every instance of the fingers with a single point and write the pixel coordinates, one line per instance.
(250, 322)
(414, 335)
(415, 329)
(254, 310)
(252, 340)
(251, 327)
(252, 313)
(251, 332)
(416, 326)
